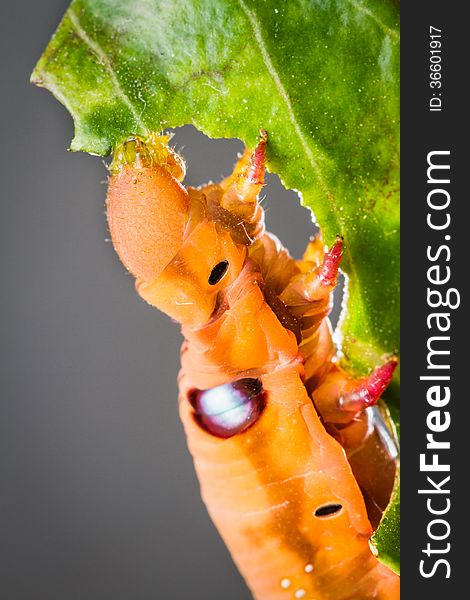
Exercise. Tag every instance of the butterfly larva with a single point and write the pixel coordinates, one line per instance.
(270, 417)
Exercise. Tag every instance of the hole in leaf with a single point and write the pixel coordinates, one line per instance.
(212, 159)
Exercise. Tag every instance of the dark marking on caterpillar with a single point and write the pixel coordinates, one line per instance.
(218, 272)
(228, 409)
(327, 510)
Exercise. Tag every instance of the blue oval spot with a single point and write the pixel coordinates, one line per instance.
(228, 409)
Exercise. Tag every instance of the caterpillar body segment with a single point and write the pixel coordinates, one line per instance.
(271, 419)
(263, 490)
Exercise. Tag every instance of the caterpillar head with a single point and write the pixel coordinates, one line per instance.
(185, 246)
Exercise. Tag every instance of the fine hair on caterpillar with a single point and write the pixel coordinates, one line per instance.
(293, 453)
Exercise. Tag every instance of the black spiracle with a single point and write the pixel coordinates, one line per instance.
(218, 272)
(228, 409)
(327, 510)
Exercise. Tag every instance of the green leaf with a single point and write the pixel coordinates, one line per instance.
(321, 76)
(387, 538)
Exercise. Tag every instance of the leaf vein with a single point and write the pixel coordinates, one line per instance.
(363, 9)
(106, 63)
(284, 95)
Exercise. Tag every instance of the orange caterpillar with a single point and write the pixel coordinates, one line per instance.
(292, 454)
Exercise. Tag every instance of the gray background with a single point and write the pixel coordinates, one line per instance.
(98, 497)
